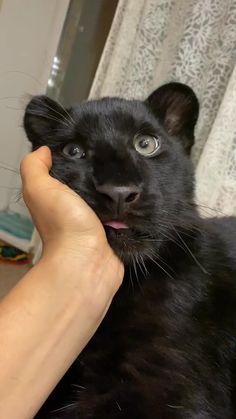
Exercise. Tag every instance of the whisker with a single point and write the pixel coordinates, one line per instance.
(16, 198)
(119, 408)
(136, 272)
(214, 210)
(64, 407)
(24, 74)
(191, 253)
(50, 117)
(9, 97)
(144, 266)
(78, 386)
(46, 105)
(161, 267)
(158, 256)
(66, 111)
(171, 238)
(14, 109)
(140, 266)
(130, 277)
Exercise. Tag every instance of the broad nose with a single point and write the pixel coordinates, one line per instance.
(120, 195)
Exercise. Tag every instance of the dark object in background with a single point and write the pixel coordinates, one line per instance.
(80, 48)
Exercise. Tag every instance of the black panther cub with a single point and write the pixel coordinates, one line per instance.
(167, 347)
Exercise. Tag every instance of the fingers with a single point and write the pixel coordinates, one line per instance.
(35, 165)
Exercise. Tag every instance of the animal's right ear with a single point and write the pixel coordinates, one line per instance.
(43, 118)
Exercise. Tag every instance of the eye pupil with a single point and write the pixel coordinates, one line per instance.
(74, 151)
(144, 143)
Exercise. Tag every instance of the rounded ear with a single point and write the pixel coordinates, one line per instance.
(176, 107)
(43, 117)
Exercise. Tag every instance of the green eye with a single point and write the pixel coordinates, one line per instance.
(147, 145)
(74, 151)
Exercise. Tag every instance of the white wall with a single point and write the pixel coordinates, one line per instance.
(29, 34)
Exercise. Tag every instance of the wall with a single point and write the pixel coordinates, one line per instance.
(29, 34)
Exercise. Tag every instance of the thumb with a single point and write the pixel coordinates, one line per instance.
(36, 165)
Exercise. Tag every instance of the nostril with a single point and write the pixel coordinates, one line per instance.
(132, 197)
(108, 197)
(119, 194)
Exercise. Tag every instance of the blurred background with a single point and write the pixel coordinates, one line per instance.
(75, 49)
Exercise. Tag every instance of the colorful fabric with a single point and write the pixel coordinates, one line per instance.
(9, 254)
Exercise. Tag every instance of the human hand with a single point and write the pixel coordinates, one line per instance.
(58, 212)
(67, 225)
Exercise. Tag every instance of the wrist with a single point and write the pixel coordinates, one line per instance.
(92, 271)
(71, 254)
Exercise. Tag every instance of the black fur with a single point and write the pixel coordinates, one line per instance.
(166, 348)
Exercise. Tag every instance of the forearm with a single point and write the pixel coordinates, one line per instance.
(45, 321)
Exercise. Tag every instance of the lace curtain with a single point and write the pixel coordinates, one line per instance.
(193, 41)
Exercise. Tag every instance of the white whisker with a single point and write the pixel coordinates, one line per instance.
(191, 253)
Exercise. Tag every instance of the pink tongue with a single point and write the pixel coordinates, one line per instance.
(116, 224)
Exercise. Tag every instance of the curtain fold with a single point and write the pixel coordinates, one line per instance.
(216, 170)
(192, 41)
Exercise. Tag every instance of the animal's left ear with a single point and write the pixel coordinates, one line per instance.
(176, 107)
(44, 119)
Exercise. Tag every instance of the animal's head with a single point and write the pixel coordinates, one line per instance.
(127, 158)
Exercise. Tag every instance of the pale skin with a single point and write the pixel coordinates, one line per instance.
(50, 315)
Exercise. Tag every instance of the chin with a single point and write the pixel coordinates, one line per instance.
(129, 245)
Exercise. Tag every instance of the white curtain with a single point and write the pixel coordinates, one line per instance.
(193, 41)
(216, 170)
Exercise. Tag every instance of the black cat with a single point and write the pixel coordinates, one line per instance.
(167, 346)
